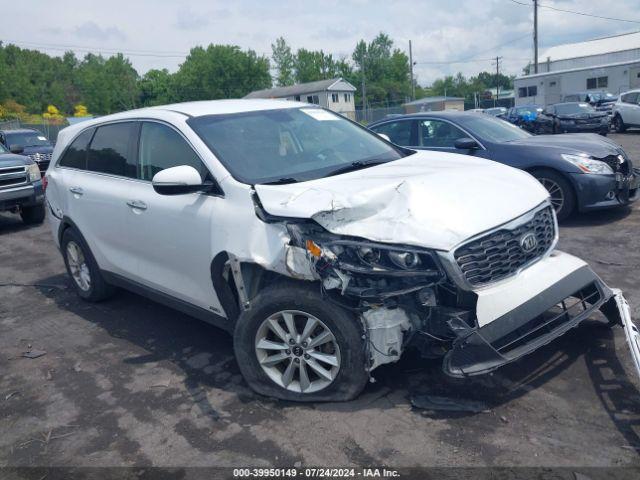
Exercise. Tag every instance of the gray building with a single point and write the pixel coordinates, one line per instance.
(335, 94)
(609, 64)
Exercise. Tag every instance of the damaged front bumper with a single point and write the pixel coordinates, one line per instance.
(545, 316)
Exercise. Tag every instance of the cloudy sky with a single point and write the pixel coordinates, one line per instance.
(159, 33)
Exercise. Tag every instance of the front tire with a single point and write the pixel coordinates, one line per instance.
(560, 190)
(294, 345)
(32, 215)
(618, 124)
(83, 268)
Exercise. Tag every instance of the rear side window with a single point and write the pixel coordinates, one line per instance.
(112, 150)
(76, 154)
(630, 97)
(162, 147)
(399, 132)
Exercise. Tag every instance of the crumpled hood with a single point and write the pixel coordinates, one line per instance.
(428, 199)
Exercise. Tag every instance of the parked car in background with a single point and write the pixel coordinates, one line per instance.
(21, 189)
(499, 112)
(325, 249)
(601, 101)
(523, 116)
(581, 172)
(32, 143)
(626, 111)
(572, 117)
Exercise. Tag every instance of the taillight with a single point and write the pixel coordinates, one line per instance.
(45, 182)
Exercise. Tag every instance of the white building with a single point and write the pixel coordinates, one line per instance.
(609, 64)
(335, 94)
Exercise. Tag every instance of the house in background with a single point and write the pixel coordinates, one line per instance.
(335, 94)
(609, 64)
(434, 104)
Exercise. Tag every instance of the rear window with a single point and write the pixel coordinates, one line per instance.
(76, 154)
(113, 150)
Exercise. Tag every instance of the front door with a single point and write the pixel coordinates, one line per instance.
(172, 235)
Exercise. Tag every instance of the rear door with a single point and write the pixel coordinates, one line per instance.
(97, 187)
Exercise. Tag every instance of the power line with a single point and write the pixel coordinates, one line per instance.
(577, 13)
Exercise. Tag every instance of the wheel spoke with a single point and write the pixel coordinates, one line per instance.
(308, 328)
(326, 374)
(274, 359)
(287, 376)
(323, 357)
(304, 376)
(291, 325)
(324, 337)
(269, 345)
(278, 330)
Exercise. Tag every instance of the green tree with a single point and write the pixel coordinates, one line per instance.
(156, 88)
(284, 62)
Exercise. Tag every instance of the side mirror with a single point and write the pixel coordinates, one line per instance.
(466, 143)
(385, 136)
(17, 149)
(178, 180)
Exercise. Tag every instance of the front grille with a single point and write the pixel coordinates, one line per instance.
(499, 254)
(554, 318)
(42, 159)
(13, 177)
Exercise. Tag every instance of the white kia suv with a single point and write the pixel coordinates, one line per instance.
(324, 249)
(626, 111)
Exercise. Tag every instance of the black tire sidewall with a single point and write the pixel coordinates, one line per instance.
(306, 297)
(98, 289)
(567, 190)
(33, 215)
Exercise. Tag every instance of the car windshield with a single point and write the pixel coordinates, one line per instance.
(572, 108)
(2, 149)
(27, 139)
(527, 110)
(492, 129)
(495, 111)
(290, 145)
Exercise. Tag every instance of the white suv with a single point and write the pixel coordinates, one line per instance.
(324, 249)
(626, 111)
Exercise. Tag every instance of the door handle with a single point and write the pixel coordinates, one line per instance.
(76, 190)
(137, 204)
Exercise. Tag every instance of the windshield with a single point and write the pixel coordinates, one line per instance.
(27, 139)
(572, 108)
(527, 110)
(2, 149)
(495, 111)
(492, 129)
(293, 144)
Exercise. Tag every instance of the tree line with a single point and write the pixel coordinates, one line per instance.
(32, 82)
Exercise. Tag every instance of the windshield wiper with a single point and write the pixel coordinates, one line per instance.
(282, 181)
(353, 166)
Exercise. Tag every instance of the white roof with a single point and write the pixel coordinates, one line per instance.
(597, 46)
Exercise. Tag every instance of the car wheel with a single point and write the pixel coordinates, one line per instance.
(618, 124)
(294, 345)
(83, 269)
(560, 191)
(32, 215)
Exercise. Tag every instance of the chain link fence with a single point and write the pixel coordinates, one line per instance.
(48, 129)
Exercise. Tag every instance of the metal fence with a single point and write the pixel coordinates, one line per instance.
(48, 130)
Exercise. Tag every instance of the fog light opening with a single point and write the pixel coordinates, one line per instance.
(611, 195)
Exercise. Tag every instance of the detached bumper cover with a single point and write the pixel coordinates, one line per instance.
(536, 322)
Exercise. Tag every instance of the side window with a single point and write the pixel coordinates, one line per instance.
(398, 132)
(162, 147)
(112, 150)
(439, 134)
(76, 154)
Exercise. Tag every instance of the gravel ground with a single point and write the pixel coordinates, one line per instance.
(129, 382)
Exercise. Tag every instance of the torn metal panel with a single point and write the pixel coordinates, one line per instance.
(386, 329)
(411, 199)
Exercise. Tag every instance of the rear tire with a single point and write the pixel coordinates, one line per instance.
(563, 197)
(618, 124)
(32, 215)
(298, 303)
(83, 269)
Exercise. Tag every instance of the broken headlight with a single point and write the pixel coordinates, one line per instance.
(374, 258)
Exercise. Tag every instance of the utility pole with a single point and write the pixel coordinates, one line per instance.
(535, 36)
(497, 81)
(413, 88)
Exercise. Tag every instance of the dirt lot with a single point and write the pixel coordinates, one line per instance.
(129, 382)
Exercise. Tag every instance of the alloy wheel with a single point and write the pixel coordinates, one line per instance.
(78, 266)
(555, 192)
(297, 351)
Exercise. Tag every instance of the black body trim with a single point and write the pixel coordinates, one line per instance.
(503, 340)
(169, 301)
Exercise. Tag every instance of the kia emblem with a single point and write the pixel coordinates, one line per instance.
(528, 242)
